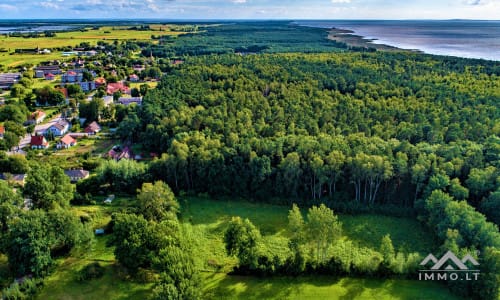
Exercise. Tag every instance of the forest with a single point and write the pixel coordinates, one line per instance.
(397, 133)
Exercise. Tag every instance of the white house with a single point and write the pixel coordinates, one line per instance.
(59, 128)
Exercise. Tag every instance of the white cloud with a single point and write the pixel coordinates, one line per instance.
(341, 1)
(48, 4)
(239, 1)
(7, 7)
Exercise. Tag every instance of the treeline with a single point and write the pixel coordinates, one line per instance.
(376, 128)
(315, 247)
(246, 38)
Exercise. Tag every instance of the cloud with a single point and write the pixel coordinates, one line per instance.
(341, 1)
(7, 7)
(48, 4)
(239, 1)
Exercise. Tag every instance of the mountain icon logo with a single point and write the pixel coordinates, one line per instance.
(449, 262)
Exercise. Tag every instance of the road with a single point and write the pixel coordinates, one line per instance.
(25, 141)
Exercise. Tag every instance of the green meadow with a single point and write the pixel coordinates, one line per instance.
(204, 222)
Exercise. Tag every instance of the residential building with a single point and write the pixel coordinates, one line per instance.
(7, 80)
(55, 70)
(93, 128)
(50, 76)
(2, 131)
(38, 142)
(117, 87)
(77, 175)
(40, 74)
(59, 128)
(66, 142)
(72, 76)
(15, 179)
(101, 81)
(87, 86)
(130, 100)
(37, 117)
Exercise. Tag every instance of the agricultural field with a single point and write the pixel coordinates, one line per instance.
(204, 221)
(70, 39)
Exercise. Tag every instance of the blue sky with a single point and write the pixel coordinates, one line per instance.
(252, 9)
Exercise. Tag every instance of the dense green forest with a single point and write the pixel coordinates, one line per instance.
(374, 128)
(247, 37)
(355, 131)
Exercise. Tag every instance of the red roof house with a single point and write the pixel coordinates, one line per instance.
(50, 76)
(37, 117)
(2, 131)
(38, 142)
(66, 142)
(93, 128)
(117, 87)
(100, 81)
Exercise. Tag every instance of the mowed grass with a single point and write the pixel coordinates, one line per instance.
(221, 286)
(63, 283)
(206, 219)
(408, 235)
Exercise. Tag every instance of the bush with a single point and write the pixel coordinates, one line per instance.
(91, 271)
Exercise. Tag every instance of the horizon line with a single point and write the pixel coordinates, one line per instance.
(240, 19)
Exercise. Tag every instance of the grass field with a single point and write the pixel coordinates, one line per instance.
(220, 286)
(204, 223)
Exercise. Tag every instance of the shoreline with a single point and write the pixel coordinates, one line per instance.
(353, 40)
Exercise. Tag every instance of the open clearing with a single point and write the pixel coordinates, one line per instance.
(204, 223)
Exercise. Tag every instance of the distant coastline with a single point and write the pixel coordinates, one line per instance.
(459, 38)
(351, 39)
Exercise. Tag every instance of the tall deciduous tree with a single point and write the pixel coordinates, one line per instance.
(322, 229)
(157, 202)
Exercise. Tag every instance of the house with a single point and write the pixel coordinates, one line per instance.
(118, 153)
(66, 142)
(55, 70)
(87, 86)
(7, 80)
(93, 128)
(101, 81)
(2, 131)
(117, 87)
(50, 76)
(37, 117)
(133, 78)
(59, 128)
(72, 76)
(107, 100)
(15, 179)
(40, 74)
(77, 175)
(130, 100)
(39, 142)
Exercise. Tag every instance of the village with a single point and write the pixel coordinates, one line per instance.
(71, 103)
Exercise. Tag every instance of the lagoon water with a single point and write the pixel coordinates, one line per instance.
(463, 38)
